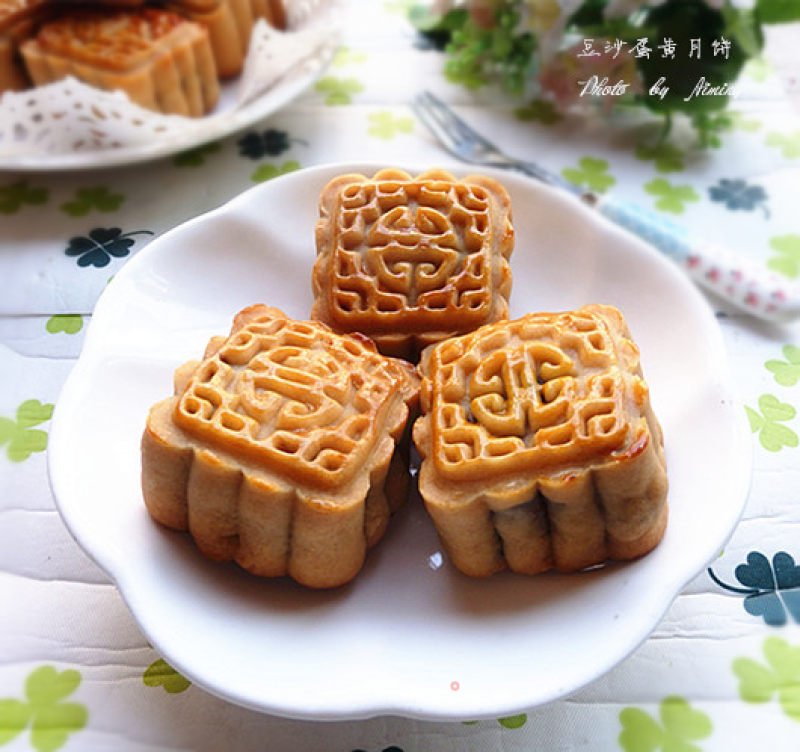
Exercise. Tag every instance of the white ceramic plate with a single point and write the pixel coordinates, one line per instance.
(409, 635)
(224, 121)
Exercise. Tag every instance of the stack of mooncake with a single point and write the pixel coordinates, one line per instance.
(167, 58)
(286, 449)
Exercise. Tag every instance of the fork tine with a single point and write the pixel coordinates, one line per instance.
(426, 115)
(448, 118)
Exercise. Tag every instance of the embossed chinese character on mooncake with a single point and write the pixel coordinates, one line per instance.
(285, 449)
(540, 447)
(409, 261)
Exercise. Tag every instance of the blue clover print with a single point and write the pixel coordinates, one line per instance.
(270, 142)
(97, 248)
(737, 194)
(770, 590)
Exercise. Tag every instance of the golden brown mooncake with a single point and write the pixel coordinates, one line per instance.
(284, 450)
(161, 60)
(412, 260)
(18, 19)
(230, 24)
(540, 447)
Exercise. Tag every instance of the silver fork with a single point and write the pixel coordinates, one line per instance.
(733, 277)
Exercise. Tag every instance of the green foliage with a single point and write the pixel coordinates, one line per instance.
(777, 11)
(541, 110)
(788, 262)
(679, 726)
(786, 372)
(759, 683)
(51, 720)
(19, 436)
(766, 422)
(671, 198)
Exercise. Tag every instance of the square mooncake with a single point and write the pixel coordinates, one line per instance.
(285, 449)
(409, 261)
(159, 59)
(539, 443)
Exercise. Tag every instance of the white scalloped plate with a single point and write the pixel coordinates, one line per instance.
(410, 635)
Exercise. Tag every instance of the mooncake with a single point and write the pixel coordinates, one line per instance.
(18, 18)
(159, 59)
(540, 449)
(230, 25)
(285, 449)
(409, 261)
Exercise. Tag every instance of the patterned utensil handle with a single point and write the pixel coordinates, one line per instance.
(736, 279)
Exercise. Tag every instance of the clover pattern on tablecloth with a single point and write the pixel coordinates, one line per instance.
(19, 436)
(768, 422)
(677, 728)
(771, 589)
(266, 172)
(161, 674)
(787, 143)
(592, 173)
(338, 91)
(271, 142)
(386, 125)
(780, 677)
(788, 260)
(346, 56)
(14, 196)
(68, 323)
(671, 198)
(737, 194)
(509, 721)
(100, 244)
(666, 157)
(786, 371)
(43, 710)
(98, 197)
(196, 157)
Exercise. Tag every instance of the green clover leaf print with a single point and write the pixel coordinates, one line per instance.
(671, 198)
(98, 197)
(15, 195)
(786, 372)
(591, 172)
(69, 323)
(680, 726)
(788, 262)
(161, 674)
(51, 720)
(781, 676)
(767, 423)
(666, 156)
(195, 157)
(346, 56)
(540, 110)
(744, 123)
(19, 436)
(268, 171)
(385, 125)
(788, 143)
(758, 68)
(338, 90)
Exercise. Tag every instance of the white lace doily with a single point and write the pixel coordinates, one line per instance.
(70, 117)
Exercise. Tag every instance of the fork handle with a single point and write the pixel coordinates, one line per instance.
(734, 278)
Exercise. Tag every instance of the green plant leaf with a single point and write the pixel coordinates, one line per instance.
(777, 11)
(14, 717)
